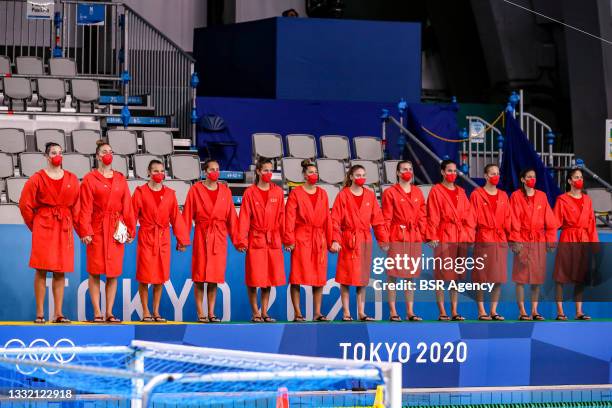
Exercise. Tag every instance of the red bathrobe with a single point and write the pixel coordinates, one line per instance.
(406, 218)
(492, 231)
(453, 226)
(103, 203)
(260, 229)
(154, 245)
(533, 225)
(578, 232)
(351, 229)
(213, 224)
(51, 217)
(310, 230)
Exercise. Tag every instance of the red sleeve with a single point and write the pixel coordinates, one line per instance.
(470, 220)
(378, 222)
(329, 225)
(558, 211)
(290, 216)
(281, 214)
(75, 210)
(336, 218)
(433, 216)
(508, 221)
(244, 221)
(27, 201)
(181, 232)
(515, 223)
(86, 197)
(422, 216)
(136, 204)
(232, 224)
(551, 224)
(128, 212)
(387, 206)
(188, 209)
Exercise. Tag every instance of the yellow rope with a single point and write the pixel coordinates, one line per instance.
(489, 127)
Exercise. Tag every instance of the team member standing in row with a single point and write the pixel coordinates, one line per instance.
(209, 204)
(49, 205)
(106, 222)
(451, 228)
(308, 236)
(156, 208)
(404, 210)
(354, 213)
(493, 224)
(260, 231)
(574, 211)
(534, 232)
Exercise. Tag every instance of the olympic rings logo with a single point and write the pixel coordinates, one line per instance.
(60, 358)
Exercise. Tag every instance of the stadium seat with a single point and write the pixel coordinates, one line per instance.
(371, 168)
(31, 163)
(76, 163)
(133, 183)
(602, 203)
(12, 140)
(51, 90)
(7, 168)
(5, 65)
(181, 188)
(331, 171)
(29, 66)
(368, 148)
(332, 192)
(44, 136)
(335, 147)
(121, 164)
(292, 170)
(269, 145)
(386, 186)
(123, 141)
(62, 67)
(185, 167)
(85, 91)
(302, 146)
(14, 186)
(390, 170)
(425, 188)
(158, 143)
(17, 89)
(10, 214)
(141, 164)
(84, 141)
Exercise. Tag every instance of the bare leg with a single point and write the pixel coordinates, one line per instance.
(40, 287)
(454, 296)
(391, 296)
(495, 298)
(58, 293)
(578, 292)
(198, 292)
(143, 292)
(344, 297)
(295, 300)
(265, 300)
(157, 294)
(440, 301)
(361, 301)
(111, 291)
(480, 302)
(520, 298)
(409, 296)
(535, 294)
(252, 292)
(317, 295)
(211, 296)
(93, 284)
(559, 298)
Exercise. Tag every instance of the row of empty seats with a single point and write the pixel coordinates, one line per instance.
(332, 171)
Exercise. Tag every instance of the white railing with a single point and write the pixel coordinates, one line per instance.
(481, 148)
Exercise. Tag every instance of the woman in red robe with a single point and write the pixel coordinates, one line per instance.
(492, 209)
(209, 204)
(354, 213)
(308, 236)
(156, 208)
(403, 207)
(534, 232)
(49, 204)
(260, 229)
(105, 209)
(451, 227)
(574, 210)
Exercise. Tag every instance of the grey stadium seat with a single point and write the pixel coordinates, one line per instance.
(85, 91)
(62, 67)
(368, 148)
(123, 141)
(269, 145)
(371, 168)
(390, 168)
(302, 146)
(120, 164)
(331, 171)
(29, 66)
(332, 192)
(181, 188)
(292, 170)
(335, 147)
(426, 188)
(133, 183)
(17, 89)
(10, 214)
(185, 167)
(5, 65)
(51, 90)
(84, 141)
(14, 186)
(12, 140)
(141, 164)
(31, 163)
(7, 168)
(44, 136)
(156, 142)
(601, 198)
(76, 163)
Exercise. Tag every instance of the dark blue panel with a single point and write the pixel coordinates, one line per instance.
(517, 330)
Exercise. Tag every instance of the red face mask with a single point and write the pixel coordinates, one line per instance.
(107, 159)
(578, 184)
(266, 177)
(312, 178)
(450, 177)
(406, 176)
(213, 176)
(57, 160)
(494, 180)
(530, 182)
(158, 177)
(360, 181)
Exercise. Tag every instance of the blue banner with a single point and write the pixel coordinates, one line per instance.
(90, 14)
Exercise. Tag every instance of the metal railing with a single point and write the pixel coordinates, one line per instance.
(481, 149)
(22, 37)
